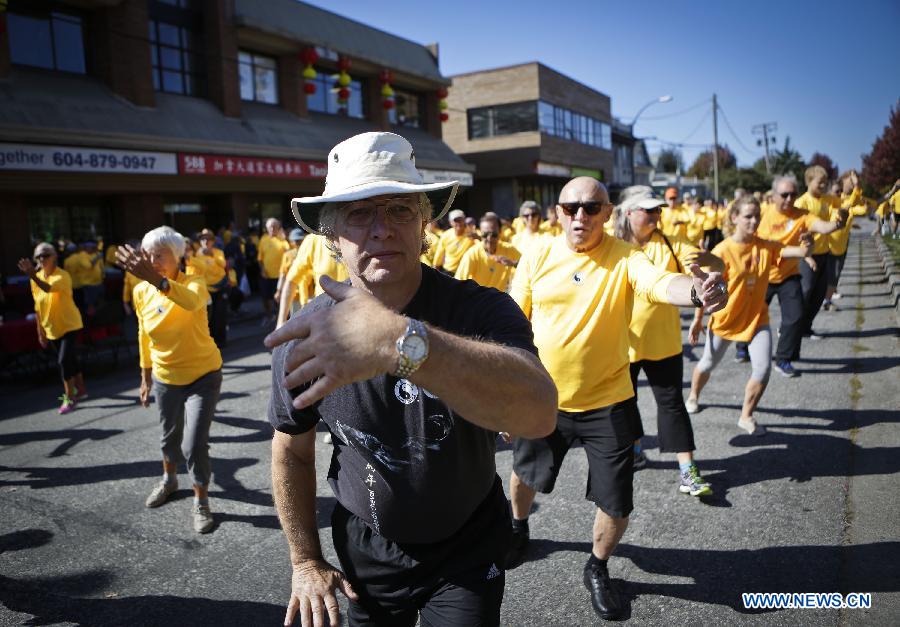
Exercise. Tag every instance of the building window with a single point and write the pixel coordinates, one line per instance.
(566, 124)
(519, 117)
(177, 63)
(259, 78)
(47, 39)
(325, 100)
(409, 109)
(54, 221)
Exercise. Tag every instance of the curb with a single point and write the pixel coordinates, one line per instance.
(892, 272)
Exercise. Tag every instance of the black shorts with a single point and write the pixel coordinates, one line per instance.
(608, 436)
(267, 287)
(456, 581)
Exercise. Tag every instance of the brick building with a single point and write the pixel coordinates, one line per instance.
(527, 129)
(117, 116)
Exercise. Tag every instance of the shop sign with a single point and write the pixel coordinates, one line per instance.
(552, 169)
(443, 176)
(227, 165)
(81, 159)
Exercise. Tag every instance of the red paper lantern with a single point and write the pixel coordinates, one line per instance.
(309, 88)
(343, 64)
(343, 93)
(442, 92)
(444, 117)
(388, 104)
(386, 76)
(309, 55)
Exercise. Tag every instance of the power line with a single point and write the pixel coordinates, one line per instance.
(697, 128)
(677, 113)
(733, 134)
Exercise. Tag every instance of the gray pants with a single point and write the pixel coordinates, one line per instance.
(760, 349)
(185, 413)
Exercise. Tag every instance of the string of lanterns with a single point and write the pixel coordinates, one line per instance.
(387, 92)
(442, 103)
(309, 56)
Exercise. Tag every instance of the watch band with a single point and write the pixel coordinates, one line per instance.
(697, 302)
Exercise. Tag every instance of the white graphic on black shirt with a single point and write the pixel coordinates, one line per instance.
(436, 428)
(406, 392)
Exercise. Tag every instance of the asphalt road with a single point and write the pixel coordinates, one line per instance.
(811, 507)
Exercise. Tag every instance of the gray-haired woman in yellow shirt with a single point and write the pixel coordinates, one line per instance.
(179, 358)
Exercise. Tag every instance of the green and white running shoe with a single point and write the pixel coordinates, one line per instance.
(692, 483)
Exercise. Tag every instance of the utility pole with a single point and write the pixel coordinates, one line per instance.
(715, 149)
(765, 129)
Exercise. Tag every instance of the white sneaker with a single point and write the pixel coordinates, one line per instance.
(161, 493)
(692, 406)
(203, 519)
(837, 296)
(751, 427)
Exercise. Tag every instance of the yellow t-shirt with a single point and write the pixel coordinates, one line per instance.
(450, 249)
(518, 224)
(553, 230)
(840, 239)
(694, 227)
(56, 310)
(786, 229)
(669, 217)
(428, 256)
(211, 268)
(173, 332)
(655, 329)
(894, 201)
(110, 255)
(128, 284)
(485, 269)
(269, 254)
(313, 260)
(78, 265)
(820, 208)
(579, 305)
(506, 233)
(524, 240)
(710, 218)
(287, 260)
(747, 268)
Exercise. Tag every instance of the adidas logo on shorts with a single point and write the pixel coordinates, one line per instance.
(493, 571)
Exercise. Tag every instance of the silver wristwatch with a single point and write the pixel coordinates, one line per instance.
(412, 349)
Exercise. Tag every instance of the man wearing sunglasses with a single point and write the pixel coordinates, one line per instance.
(531, 233)
(453, 244)
(492, 264)
(789, 226)
(577, 290)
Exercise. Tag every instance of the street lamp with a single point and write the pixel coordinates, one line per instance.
(662, 99)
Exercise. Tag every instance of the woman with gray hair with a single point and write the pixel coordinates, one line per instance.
(178, 357)
(58, 319)
(655, 332)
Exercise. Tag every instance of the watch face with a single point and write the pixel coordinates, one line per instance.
(414, 348)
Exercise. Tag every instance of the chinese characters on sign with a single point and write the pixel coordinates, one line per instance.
(225, 165)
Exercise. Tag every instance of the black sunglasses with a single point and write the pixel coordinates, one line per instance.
(531, 215)
(651, 210)
(591, 208)
(788, 194)
(43, 256)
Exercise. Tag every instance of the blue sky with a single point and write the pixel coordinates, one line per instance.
(827, 72)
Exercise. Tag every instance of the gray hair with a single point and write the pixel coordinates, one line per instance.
(271, 220)
(528, 204)
(329, 212)
(164, 236)
(778, 180)
(44, 247)
(621, 224)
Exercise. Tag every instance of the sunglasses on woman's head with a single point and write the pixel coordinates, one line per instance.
(592, 207)
(43, 256)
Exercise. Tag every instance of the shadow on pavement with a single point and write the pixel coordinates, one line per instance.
(24, 539)
(57, 599)
(71, 438)
(850, 365)
(258, 430)
(719, 577)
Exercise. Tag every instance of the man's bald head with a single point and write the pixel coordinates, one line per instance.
(583, 188)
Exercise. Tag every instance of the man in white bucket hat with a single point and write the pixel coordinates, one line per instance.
(389, 363)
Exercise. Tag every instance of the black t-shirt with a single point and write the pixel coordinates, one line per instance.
(403, 462)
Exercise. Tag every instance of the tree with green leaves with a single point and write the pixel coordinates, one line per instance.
(667, 160)
(788, 161)
(751, 179)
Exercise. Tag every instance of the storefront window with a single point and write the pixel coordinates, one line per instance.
(50, 40)
(409, 108)
(325, 100)
(259, 78)
(578, 127)
(53, 221)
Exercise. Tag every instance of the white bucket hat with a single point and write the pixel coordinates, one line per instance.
(371, 164)
(639, 197)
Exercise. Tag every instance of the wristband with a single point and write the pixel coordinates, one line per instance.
(697, 302)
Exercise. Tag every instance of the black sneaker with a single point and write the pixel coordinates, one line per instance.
(640, 461)
(603, 596)
(741, 355)
(518, 545)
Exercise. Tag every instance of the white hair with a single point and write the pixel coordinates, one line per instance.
(273, 221)
(164, 236)
(778, 180)
(44, 247)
